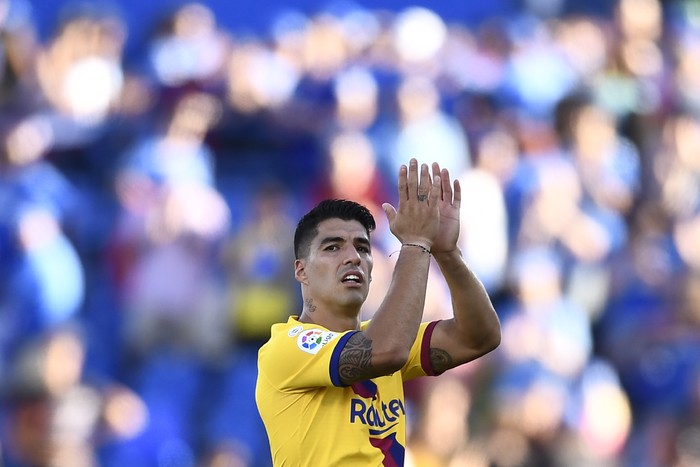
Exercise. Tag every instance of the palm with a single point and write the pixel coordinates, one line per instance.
(449, 204)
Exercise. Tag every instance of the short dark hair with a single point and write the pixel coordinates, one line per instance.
(307, 228)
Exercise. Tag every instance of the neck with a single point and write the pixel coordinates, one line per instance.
(338, 322)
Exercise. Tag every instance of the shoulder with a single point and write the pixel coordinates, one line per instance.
(291, 337)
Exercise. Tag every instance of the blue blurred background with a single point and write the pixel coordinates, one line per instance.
(155, 156)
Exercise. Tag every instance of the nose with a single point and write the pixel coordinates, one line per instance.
(352, 256)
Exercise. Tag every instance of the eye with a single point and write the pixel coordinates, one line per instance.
(363, 249)
(331, 248)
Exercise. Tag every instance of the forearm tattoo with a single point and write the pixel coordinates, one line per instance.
(440, 360)
(356, 359)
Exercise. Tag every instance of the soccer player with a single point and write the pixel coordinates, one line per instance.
(330, 386)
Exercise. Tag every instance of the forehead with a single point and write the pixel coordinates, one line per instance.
(340, 228)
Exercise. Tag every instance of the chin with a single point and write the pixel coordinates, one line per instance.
(355, 299)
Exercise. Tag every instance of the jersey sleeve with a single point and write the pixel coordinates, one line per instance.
(306, 360)
(418, 363)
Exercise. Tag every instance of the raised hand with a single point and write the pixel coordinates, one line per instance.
(449, 201)
(417, 219)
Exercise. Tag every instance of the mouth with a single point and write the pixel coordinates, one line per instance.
(353, 278)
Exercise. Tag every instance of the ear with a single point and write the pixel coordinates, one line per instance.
(300, 271)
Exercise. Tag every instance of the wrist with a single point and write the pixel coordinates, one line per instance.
(426, 249)
(455, 252)
(417, 240)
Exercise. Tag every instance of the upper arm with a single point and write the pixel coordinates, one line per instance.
(449, 348)
(439, 346)
(355, 362)
(359, 360)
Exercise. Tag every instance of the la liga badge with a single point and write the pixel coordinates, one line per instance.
(311, 340)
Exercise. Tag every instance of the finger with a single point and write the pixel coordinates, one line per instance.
(412, 178)
(424, 187)
(436, 169)
(390, 212)
(436, 172)
(446, 185)
(403, 184)
(457, 201)
(435, 191)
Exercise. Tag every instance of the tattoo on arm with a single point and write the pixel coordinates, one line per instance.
(356, 359)
(440, 360)
(309, 304)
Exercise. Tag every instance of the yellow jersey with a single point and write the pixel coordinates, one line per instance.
(312, 419)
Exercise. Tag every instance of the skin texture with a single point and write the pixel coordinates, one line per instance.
(440, 360)
(427, 218)
(356, 359)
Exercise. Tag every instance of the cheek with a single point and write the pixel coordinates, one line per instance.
(321, 274)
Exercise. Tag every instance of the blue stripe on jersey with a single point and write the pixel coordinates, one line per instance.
(381, 432)
(335, 359)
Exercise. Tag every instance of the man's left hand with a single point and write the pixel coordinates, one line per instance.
(448, 203)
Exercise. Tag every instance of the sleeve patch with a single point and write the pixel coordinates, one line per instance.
(311, 340)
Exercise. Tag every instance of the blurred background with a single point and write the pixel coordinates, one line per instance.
(155, 157)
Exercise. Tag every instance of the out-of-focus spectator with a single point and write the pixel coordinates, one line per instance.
(47, 286)
(256, 259)
(170, 221)
(170, 291)
(440, 430)
(538, 75)
(476, 61)
(260, 292)
(57, 415)
(354, 173)
(607, 163)
(423, 127)
(548, 344)
(42, 274)
(155, 175)
(555, 215)
(146, 194)
(675, 169)
(189, 47)
(80, 70)
(357, 99)
(176, 153)
(418, 37)
(259, 79)
(19, 47)
(484, 237)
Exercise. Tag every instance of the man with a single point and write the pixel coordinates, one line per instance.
(330, 387)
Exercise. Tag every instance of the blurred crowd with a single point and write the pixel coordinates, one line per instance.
(148, 202)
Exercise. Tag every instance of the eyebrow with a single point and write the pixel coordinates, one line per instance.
(360, 240)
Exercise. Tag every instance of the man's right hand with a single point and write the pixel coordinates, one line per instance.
(417, 219)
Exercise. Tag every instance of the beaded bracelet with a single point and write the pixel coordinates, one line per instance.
(416, 245)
